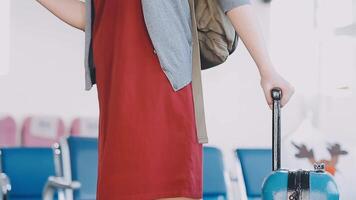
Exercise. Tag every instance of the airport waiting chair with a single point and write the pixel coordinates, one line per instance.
(25, 172)
(42, 131)
(215, 176)
(80, 164)
(87, 127)
(256, 164)
(7, 131)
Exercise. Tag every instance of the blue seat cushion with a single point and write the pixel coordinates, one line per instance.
(84, 165)
(214, 180)
(28, 170)
(256, 164)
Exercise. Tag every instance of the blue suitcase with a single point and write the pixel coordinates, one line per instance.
(283, 184)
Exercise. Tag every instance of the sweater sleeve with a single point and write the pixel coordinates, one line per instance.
(88, 28)
(228, 5)
(88, 56)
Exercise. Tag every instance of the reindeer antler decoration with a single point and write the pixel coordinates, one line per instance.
(334, 150)
(303, 152)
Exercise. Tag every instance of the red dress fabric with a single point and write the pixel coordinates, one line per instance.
(148, 148)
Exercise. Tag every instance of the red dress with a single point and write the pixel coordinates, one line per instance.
(148, 148)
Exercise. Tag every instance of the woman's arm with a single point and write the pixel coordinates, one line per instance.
(247, 26)
(70, 11)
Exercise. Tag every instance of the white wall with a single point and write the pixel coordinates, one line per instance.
(47, 73)
(4, 36)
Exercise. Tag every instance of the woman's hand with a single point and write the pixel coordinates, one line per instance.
(273, 79)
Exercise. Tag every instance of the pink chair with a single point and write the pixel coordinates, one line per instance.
(88, 127)
(7, 131)
(42, 131)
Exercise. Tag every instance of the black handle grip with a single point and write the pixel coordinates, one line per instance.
(276, 128)
(276, 94)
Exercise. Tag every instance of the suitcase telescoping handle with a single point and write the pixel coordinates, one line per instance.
(276, 128)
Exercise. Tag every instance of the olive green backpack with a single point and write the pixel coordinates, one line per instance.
(217, 36)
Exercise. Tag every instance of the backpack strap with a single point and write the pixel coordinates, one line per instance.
(197, 81)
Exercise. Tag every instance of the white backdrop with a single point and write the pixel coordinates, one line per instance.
(46, 74)
(4, 36)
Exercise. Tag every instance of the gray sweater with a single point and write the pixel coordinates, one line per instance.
(169, 26)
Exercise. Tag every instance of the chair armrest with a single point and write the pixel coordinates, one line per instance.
(56, 183)
(5, 186)
(61, 183)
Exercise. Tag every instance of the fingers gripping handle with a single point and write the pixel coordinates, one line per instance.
(276, 128)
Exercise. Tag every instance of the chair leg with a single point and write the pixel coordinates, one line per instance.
(5, 186)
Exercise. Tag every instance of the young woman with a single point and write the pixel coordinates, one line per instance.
(148, 147)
